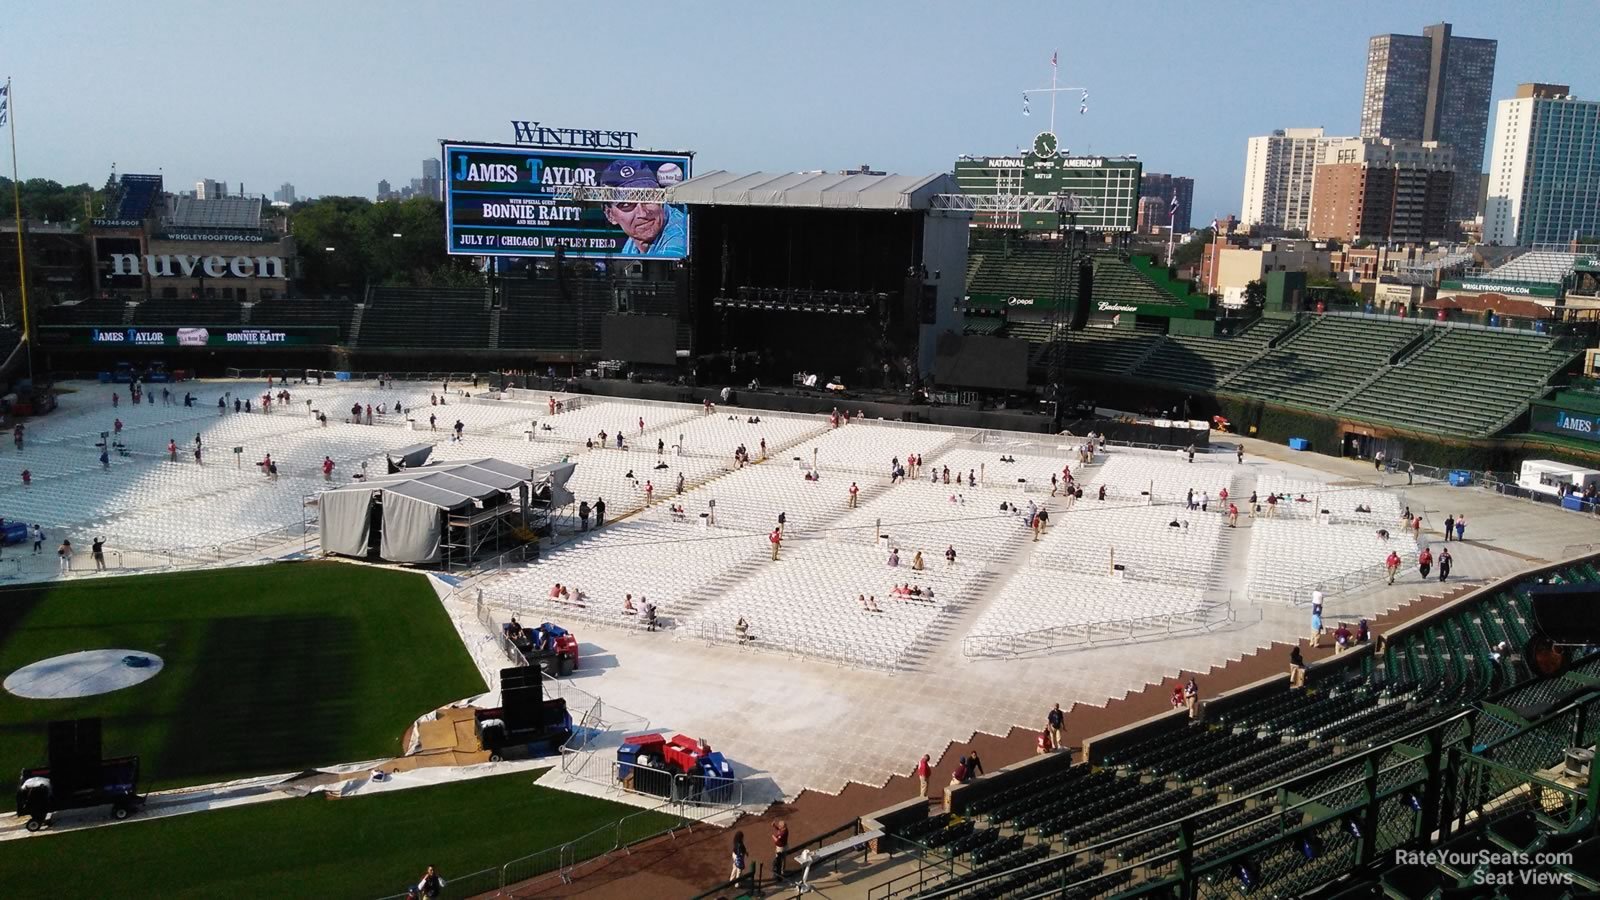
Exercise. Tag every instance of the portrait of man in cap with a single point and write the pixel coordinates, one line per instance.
(653, 229)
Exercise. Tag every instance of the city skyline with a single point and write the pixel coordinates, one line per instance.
(827, 96)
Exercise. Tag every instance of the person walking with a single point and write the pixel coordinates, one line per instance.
(1316, 619)
(1461, 527)
(1239, 453)
(780, 846)
(105, 459)
(1057, 720)
(97, 549)
(38, 539)
(1297, 668)
(775, 539)
(327, 468)
(680, 483)
(583, 515)
(1191, 697)
(1444, 564)
(599, 511)
(854, 490)
(1411, 473)
(1392, 565)
(1424, 562)
(1449, 526)
(922, 771)
(64, 556)
(950, 555)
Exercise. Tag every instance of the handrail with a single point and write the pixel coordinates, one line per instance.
(1202, 618)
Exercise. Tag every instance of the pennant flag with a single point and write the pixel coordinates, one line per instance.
(1172, 210)
(1083, 103)
(1052, 59)
(1025, 110)
(5, 100)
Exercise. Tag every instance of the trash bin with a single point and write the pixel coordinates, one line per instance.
(1460, 478)
(1299, 444)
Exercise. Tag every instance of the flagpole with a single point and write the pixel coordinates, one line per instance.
(1172, 221)
(1054, 69)
(16, 202)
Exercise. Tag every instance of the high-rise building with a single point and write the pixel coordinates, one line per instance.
(1544, 168)
(1164, 187)
(1433, 87)
(383, 189)
(209, 189)
(284, 193)
(1383, 190)
(1278, 170)
(432, 182)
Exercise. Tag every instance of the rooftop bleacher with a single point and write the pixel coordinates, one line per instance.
(136, 194)
(215, 212)
(1537, 265)
(425, 318)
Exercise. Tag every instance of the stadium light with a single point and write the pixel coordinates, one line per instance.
(329, 249)
(397, 234)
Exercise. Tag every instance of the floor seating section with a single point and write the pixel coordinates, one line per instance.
(1105, 818)
(425, 318)
(1290, 558)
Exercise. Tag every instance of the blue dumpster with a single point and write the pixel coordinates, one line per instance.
(1299, 444)
(1570, 501)
(341, 376)
(1460, 478)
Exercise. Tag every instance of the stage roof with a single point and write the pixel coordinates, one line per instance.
(813, 190)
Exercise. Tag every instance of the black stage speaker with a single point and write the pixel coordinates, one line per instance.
(1080, 310)
(522, 697)
(1563, 620)
(74, 752)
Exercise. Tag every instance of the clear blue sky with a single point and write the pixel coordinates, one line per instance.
(334, 96)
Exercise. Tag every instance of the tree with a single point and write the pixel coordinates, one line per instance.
(348, 243)
(45, 200)
(1189, 252)
(1255, 296)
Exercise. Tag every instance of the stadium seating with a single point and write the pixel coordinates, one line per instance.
(93, 311)
(1538, 265)
(137, 193)
(425, 318)
(1321, 363)
(1288, 558)
(206, 311)
(1469, 381)
(331, 312)
(547, 315)
(1203, 361)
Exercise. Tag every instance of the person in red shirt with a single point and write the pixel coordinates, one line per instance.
(776, 539)
(1424, 561)
(1233, 515)
(1041, 744)
(327, 468)
(780, 846)
(922, 771)
(27, 478)
(853, 492)
(1392, 564)
(172, 449)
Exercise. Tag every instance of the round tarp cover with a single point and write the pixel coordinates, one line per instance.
(83, 674)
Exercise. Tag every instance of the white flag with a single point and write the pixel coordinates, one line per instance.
(1083, 104)
(1025, 105)
(5, 100)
